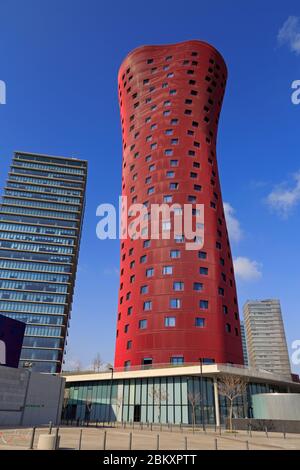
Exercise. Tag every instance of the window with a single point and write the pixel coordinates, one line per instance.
(170, 321)
(202, 254)
(228, 328)
(176, 360)
(143, 259)
(153, 126)
(197, 187)
(126, 328)
(225, 309)
(203, 304)
(143, 324)
(188, 112)
(144, 289)
(174, 141)
(174, 185)
(170, 174)
(174, 122)
(152, 167)
(148, 305)
(169, 131)
(129, 311)
(198, 286)
(200, 322)
(192, 199)
(132, 278)
(164, 85)
(203, 271)
(127, 364)
(167, 103)
(170, 75)
(167, 270)
(148, 180)
(174, 162)
(167, 112)
(166, 225)
(146, 81)
(221, 291)
(173, 92)
(132, 264)
(168, 152)
(149, 272)
(128, 295)
(148, 158)
(147, 243)
(193, 175)
(175, 303)
(196, 165)
(168, 199)
(174, 254)
(129, 344)
(191, 153)
(153, 146)
(150, 190)
(178, 286)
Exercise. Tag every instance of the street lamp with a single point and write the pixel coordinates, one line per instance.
(110, 393)
(201, 394)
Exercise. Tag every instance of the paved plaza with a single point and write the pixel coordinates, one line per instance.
(142, 438)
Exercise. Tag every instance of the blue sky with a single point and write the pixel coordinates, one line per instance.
(60, 58)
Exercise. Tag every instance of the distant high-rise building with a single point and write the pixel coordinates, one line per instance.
(41, 216)
(244, 344)
(266, 341)
(175, 306)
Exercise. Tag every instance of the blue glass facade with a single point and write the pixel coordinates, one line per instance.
(41, 216)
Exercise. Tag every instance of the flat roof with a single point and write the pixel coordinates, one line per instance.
(210, 370)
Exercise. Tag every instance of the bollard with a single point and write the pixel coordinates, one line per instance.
(247, 445)
(50, 427)
(56, 438)
(32, 438)
(151, 426)
(80, 440)
(157, 442)
(185, 443)
(216, 444)
(266, 431)
(104, 440)
(130, 441)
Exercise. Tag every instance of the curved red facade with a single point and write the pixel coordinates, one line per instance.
(175, 305)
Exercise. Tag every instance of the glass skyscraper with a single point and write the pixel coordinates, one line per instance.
(41, 215)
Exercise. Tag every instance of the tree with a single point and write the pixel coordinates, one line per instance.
(231, 387)
(97, 363)
(194, 400)
(159, 395)
(77, 366)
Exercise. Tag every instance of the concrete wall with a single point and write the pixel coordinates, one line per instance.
(276, 406)
(29, 398)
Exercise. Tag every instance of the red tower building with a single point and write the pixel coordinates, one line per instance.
(175, 305)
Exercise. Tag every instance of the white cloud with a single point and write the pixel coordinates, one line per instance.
(233, 225)
(283, 199)
(289, 34)
(246, 269)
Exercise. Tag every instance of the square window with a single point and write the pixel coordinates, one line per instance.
(144, 289)
(147, 305)
(143, 259)
(198, 286)
(202, 254)
(143, 324)
(203, 271)
(170, 321)
(146, 243)
(176, 360)
(129, 344)
(174, 186)
(167, 270)
(175, 303)
(168, 152)
(175, 254)
(203, 304)
(174, 162)
(178, 286)
(200, 322)
(150, 272)
(170, 174)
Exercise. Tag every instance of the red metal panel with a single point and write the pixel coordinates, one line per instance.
(142, 94)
